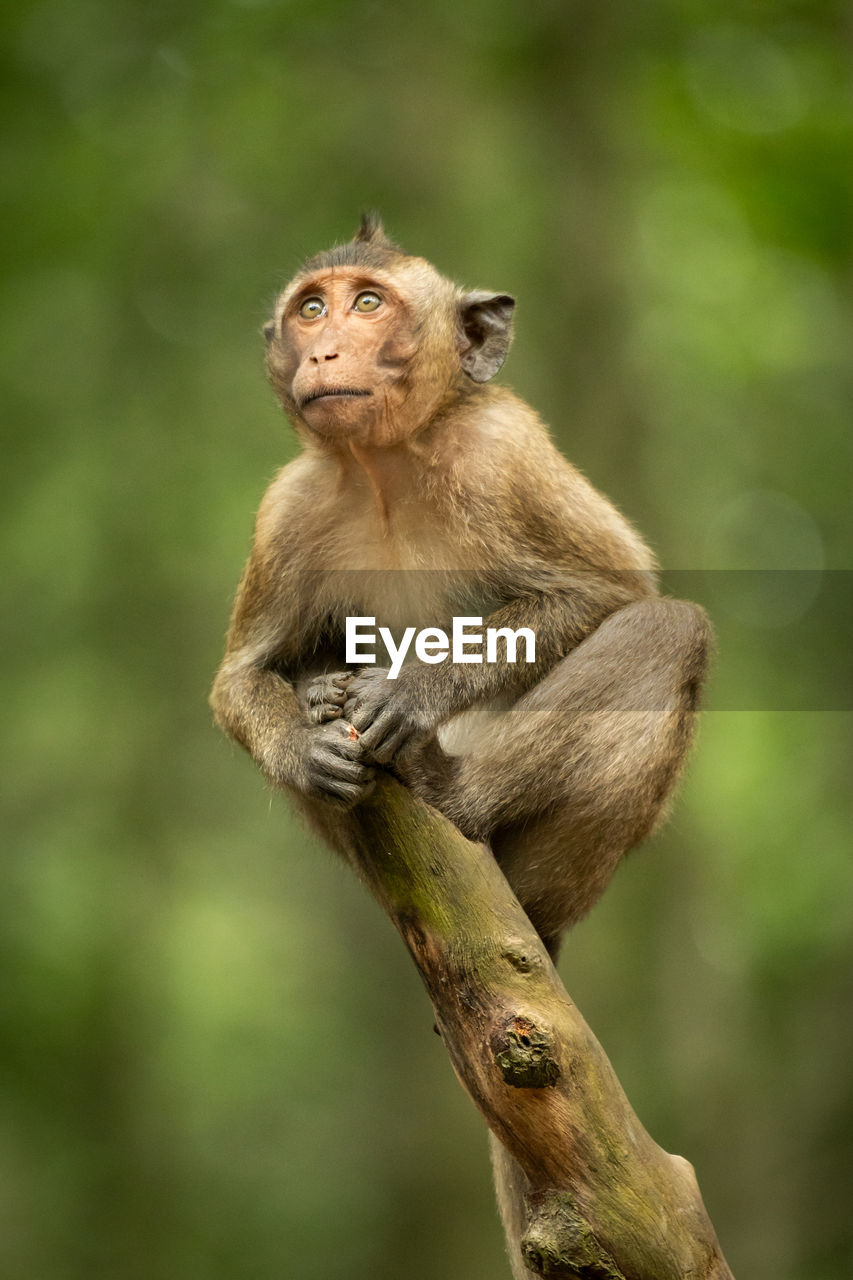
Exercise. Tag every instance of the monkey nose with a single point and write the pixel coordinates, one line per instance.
(317, 359)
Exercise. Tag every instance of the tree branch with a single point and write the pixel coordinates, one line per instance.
(606, 1203)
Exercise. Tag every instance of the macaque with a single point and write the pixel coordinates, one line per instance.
(423, 493)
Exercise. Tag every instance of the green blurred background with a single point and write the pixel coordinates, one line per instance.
(217, 1060)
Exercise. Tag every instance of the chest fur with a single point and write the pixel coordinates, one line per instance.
(398, 564)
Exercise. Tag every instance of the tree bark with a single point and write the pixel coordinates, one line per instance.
(605, 1202)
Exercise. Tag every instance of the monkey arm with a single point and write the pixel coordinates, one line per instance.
(260, 709)
(258, 706)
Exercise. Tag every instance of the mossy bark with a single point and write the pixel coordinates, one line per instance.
(606, 1202)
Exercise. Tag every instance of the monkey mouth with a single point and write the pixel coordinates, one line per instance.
(324, 393)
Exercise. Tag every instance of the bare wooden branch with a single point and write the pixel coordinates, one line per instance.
(606, 1202)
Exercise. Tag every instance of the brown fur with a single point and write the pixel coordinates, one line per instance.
(435, 495)
(439, 495)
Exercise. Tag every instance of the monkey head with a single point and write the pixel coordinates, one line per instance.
(368, 342)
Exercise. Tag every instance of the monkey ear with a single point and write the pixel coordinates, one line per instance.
(269, 330)
(487, 326)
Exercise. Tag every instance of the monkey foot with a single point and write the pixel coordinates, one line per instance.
(326, 695)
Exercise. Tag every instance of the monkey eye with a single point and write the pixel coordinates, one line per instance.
(312, 308)
(367, 302)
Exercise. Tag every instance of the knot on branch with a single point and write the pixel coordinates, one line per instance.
(559, 1242)
(523, 957)
(523, 1052)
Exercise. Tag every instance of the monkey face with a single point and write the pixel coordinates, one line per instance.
(341, 352)
(368, 343)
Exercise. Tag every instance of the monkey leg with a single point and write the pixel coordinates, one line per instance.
(578, 771)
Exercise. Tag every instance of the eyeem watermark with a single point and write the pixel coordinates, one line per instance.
(434, 645)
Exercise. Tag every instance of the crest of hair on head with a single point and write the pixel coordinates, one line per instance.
(369, 248)
(371, 229)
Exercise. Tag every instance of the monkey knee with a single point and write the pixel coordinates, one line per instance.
(691, 640)
(678, 623)
(684, 628)
(667, 644)
(691, 629)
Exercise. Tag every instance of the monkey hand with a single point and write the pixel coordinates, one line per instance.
(382, 712)
(330, 765)
(325, 696)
